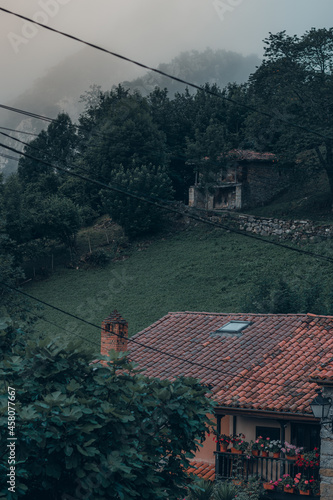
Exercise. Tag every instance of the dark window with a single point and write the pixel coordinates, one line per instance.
(306, 435)
(265, 432)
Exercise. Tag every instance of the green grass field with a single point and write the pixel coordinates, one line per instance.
(198, 269)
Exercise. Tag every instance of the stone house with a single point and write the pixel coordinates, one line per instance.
(247, 179)
(263, 371)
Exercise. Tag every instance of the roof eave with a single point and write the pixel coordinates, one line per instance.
(269, 414)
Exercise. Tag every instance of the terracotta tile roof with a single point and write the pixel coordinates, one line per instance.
(249, 155)
(202, 469)
(266, 367)
(324, 373)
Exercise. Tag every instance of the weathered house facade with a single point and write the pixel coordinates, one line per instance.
(247, 179)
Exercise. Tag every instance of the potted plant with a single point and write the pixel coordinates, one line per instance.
(310, 459)
(239, 445)
(303, 484)
(256, 446)
(269, 486)
(287, 483)
(223, 441)
(291, 451)
(265, 447)
(315, 486)
(275, 447)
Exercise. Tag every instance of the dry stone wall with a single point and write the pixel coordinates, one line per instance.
(283, 229)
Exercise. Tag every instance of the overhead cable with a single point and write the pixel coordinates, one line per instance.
(168, 208)
(134, 341)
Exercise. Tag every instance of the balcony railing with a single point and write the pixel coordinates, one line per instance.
(229, 465)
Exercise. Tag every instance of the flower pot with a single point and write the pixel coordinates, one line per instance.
(276, 454)
(301, 492)
(288, 490)
(224, 446)
(290, 458)
(264, 454)
(237, 452)
(268, 486)
(256, 453)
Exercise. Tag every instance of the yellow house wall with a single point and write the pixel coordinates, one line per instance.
(247, 426)
(206, 452)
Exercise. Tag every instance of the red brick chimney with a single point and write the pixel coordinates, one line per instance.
(114, 334)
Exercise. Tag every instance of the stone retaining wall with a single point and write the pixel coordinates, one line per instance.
(292, 229)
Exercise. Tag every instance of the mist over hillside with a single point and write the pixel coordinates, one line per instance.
(61, 87)
(212, 66)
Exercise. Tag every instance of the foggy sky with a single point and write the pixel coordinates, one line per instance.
(152, 31)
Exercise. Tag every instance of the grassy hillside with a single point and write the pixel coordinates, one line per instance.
(199, 268)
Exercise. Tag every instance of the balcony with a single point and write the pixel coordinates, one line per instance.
(232, 466)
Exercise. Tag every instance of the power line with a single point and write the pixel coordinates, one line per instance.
(27, 113)
(78, 167)
(180, 156)
(37, 116)
(155, 70)
(154, 349)
(59, 327)
(9, 157)
(18, 131)
(170, 209)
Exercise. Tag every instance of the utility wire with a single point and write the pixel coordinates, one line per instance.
(168, 208)
(18, 131)
(68, 166)
(58, 326)
(155, 70)
(180, 156)
(26, 113)
(154, 349)
(9, 157)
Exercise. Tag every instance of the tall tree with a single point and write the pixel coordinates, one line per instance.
(56, 145)
(135, 216)
(120, 131)
(295, 84)
(219, 126)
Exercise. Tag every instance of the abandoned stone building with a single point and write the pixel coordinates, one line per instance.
(247, 179)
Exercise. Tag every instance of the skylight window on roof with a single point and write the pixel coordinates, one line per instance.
(234, 327)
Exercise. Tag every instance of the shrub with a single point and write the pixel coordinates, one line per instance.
(201, 490)
(224, 491)
(97, 258)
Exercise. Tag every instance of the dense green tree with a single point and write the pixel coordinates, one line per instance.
(219, 127)
(59, 219)
(136, 216)
(175, 117)
(120, 131)
(56, 145)
(16, 213)
(295, 84)
(10, 274)
(92, 431)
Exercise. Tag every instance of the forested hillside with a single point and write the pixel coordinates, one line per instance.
(129, 152)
